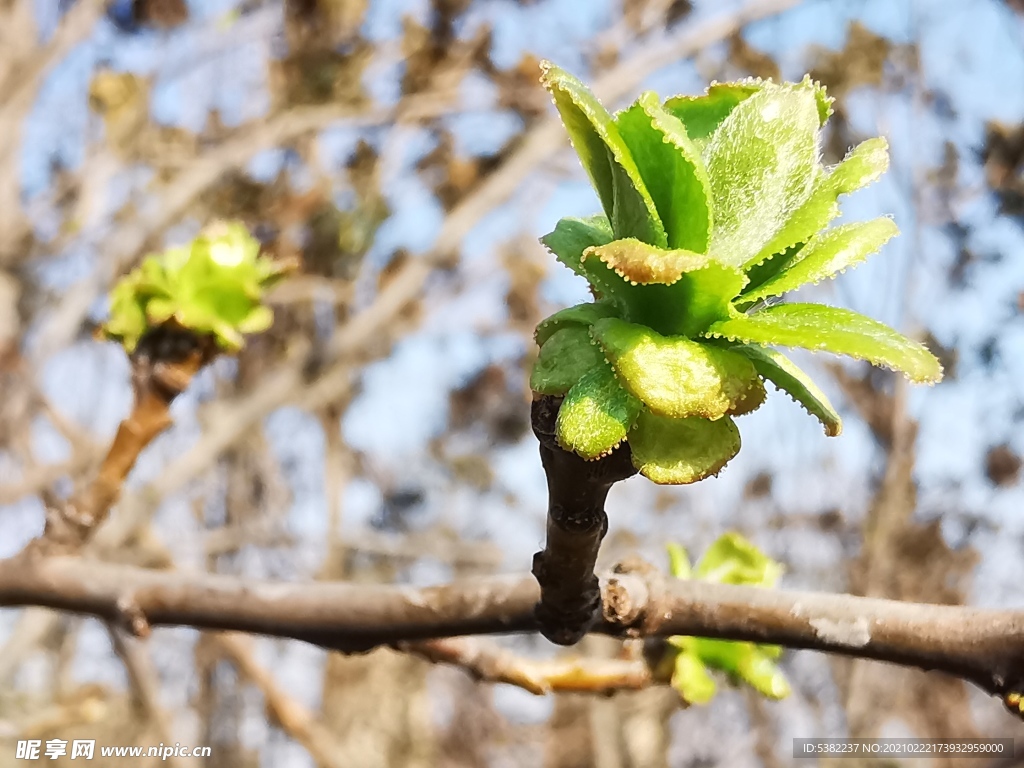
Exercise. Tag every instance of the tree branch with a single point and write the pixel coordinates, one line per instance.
(570, 597)
(163, 364)
(983, 646)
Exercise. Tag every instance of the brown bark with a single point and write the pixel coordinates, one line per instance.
(163, 364)
(980, 645)
(570, 597)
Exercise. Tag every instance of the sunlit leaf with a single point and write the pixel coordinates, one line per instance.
(700, 291)
(864, 164)
(214, 286)
(571, 237)
(759, 274)
(762, 162)
(160, 310)
(596, 414)
(228, 336)
(258, 320)
(672, 169)
(691, 680)
(836, 330)
(641, 263)
(758, 670)
(704, 296)
(677, 377)
(605, 157)
(679, 561)
(680, 451)
(127, 315)
(743, 662)
(703, 114)
(826, 254)
(733, 559)
(734, 176)
(787, 376)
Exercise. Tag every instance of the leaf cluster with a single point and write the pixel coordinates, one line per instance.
(714, 206)
(732, 559)
(213, 286)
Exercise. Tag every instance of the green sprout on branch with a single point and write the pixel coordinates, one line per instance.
(714, 206)
(730, 560)
(214, 287)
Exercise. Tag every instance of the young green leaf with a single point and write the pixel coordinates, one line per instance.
(761, 273)
(826, 254)
(734, 182)
(640, 263)
(787, 376)
(691, 680)
(703, 114)
(680, 451)
(677, 377)
(605, 157)
(733, 559)
(568, 241)
(672, 170)
(596, 414)
(583, 117)
(757, 669)
(257, 321)
(581, 315)
(762, 161)
(700, 293)
(571, 237)
(704, 296)
(743, 661)
(128, 320)
(840, 331)
(214, 286)
(563, 360)
(679, 561)
(864, 164)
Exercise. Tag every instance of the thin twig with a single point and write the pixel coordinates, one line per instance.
(18, 88)
(144, 682)
(162, 367)
(20, 82)
(293, 717)
(490, 663)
